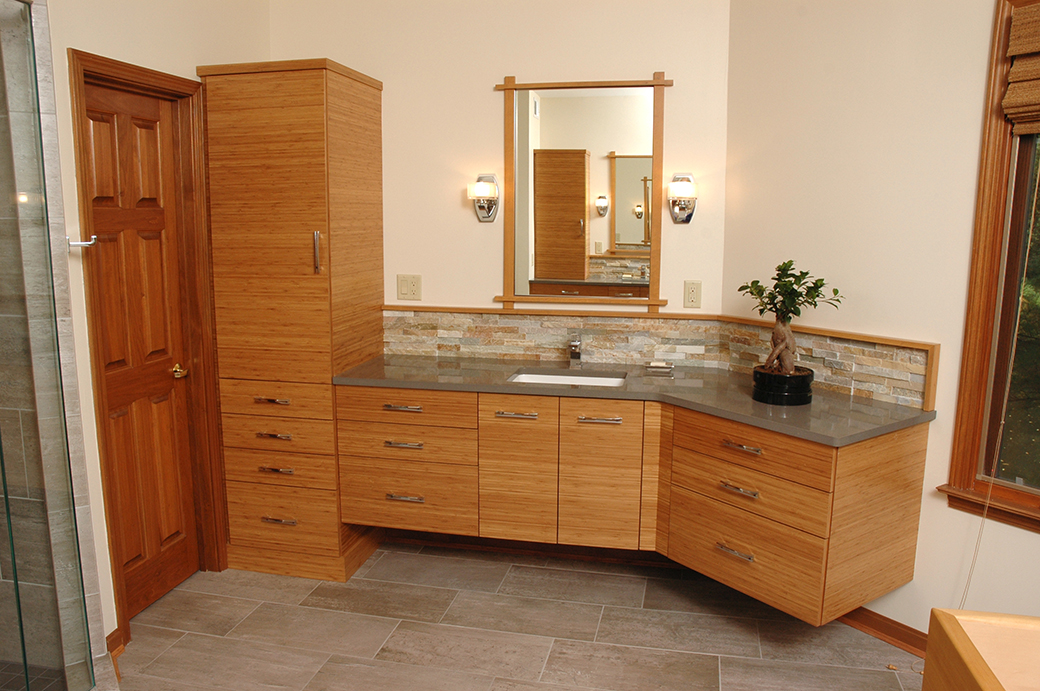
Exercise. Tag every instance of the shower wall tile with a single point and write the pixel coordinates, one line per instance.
(32, 551)
(18, 72)
(97, 629)
(14, 453)
(12, 285)
(85, 535)
(42, 631)
(15, 371)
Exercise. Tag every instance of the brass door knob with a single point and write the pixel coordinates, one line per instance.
(179, 372)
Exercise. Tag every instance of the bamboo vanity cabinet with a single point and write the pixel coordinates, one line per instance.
(295, 173)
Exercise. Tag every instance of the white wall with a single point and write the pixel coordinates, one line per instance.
(442, 119)
(854, 135)
(172, 36)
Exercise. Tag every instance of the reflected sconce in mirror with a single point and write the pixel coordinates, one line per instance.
(638, 211)
(602, 205)
(682, 197)
(484, 193)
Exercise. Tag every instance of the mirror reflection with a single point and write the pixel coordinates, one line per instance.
(573, 145)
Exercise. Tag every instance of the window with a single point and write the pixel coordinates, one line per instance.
(996, 449)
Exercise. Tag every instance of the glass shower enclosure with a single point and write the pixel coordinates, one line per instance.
(43, 628)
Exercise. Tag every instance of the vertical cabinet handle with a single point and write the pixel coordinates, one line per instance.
(317, 252)
(750, 558)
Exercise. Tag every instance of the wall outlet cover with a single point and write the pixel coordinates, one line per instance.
(409, 287)
(692, 294)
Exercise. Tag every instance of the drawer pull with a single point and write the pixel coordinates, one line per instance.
(403, 408)
(569, 292)
(278, 521)
(741, 447)
(517, 416)
(626, 295)
(403, 444)
(753, 493)
(401, 497)
(740, 555)
(601, 420)
(283, 471)
(274, 435)
(272, 401)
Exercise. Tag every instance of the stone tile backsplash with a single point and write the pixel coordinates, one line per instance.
(860, 368)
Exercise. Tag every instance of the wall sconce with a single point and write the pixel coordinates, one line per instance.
(682, 197)
(638, 211)
(602, 204)
(484, 193)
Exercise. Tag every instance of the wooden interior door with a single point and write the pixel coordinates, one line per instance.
(127, 163)
(561, 214)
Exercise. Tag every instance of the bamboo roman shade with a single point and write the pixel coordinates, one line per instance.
(1022, 100)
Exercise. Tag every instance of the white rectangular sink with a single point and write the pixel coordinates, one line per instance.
(567, 379)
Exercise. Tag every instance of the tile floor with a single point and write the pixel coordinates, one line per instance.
(453, 620)
(13, 676)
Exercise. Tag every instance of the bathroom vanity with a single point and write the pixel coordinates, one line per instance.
(811, 509)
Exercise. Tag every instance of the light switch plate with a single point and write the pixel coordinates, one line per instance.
(692, 294)
(409, 287)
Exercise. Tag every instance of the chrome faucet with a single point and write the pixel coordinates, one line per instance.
(575, 350)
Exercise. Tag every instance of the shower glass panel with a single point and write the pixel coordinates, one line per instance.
(43, 630)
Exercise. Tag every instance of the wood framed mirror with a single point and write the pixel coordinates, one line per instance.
(557, 249)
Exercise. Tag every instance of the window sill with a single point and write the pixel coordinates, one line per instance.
(1000, 509)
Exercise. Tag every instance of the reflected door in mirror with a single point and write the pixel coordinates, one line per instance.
(561, 213)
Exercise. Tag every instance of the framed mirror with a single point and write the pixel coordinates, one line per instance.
(566, 144)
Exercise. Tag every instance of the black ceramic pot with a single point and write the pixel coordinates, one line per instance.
(782, 389)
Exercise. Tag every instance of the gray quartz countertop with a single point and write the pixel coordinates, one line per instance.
(832, 419)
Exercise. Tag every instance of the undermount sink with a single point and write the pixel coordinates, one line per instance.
(569, 378)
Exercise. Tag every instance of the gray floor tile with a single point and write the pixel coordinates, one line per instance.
(481, 555)
(475, 651)
(400, 547)
(354, 674)
(696, 593)
(620, 668)
(145, 683)
(440, 572)
(832, 644)
(742, 674)
(196, 612)
(251, 586)
(514, 685)
(575, 586)
(619, 569)
(236, 665)
(343, 633)
(911, 681)
(694, 633)
(524, 615)
(146, 644)
(392, 600)
(369, 563)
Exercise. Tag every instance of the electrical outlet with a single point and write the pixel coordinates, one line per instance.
(409, 287)
(692, 294)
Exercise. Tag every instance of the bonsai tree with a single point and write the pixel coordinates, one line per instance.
(790, 292)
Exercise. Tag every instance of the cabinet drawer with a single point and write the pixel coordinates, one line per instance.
(407, 406)
(289, 518)
(796, 505)
(276, 399)
(431, 497)
(278, 434)
(408, 442)
(280, 469)
(791, 458)
(774, 563)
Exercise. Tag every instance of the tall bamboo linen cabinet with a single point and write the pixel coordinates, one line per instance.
(294, 154)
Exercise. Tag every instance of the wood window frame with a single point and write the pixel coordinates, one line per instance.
(965, 490)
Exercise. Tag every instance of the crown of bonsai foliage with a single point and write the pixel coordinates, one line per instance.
(790, 292)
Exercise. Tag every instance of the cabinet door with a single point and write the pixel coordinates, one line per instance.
(561, 213)
(518, 456)
(601, 463)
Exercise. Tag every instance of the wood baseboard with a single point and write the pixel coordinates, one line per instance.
(888, 630)
(115, 642)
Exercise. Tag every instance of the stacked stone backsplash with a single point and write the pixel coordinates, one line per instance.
(618, 268)
(861, 368)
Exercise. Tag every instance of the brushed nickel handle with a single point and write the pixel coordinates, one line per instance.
(750, 558)
(402, 497)
(569, 292)
(741, 447)
(278, 521)
(626, 295)
(738, 490)
(272, 401)
(403, 408)
(601, 420)
(274, 435)
(283, 471)
(516, 416)
(403, 444)
(80, 243)
(581, 224)
(317, 252)
(179, 372)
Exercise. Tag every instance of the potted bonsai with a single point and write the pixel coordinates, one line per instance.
(778, 380)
